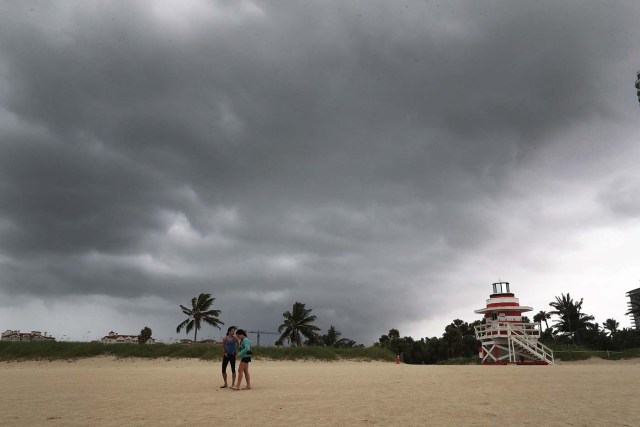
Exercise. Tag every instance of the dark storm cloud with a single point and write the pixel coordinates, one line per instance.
(336, 154)
(620, 197)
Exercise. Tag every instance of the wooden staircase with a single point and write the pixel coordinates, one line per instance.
(535, 349)
(513, 342)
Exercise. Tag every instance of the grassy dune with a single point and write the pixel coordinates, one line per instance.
(568, 355)
(72, 350)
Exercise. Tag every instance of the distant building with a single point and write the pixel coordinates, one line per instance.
(116, 338)
(32, 336)
(634, 295)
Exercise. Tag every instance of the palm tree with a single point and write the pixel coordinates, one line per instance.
(315, 340)
(298, 321)
(611, 325)
(199, 312)
(332, 338)
(542, 316)
(350, 343)
(572, 322)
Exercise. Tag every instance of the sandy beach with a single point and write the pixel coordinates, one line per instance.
(110, 392)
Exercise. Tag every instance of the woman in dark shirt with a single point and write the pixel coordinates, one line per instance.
(229, 343)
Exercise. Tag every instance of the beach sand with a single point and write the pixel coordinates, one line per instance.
(107, 391)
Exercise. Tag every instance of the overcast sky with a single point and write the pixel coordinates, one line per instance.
(382, 162)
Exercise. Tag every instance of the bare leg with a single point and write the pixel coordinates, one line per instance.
(247, 376)
(233, 378)
(240, 369)
(224, 377)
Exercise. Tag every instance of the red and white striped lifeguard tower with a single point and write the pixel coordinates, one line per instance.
(505, 338)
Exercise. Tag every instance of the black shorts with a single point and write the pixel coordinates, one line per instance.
(230, 358)
(246, 359)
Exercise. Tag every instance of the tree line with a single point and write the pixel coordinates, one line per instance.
(571, 328)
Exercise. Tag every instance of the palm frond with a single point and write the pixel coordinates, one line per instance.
(182, 325)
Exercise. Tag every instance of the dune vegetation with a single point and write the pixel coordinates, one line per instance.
(72, 350)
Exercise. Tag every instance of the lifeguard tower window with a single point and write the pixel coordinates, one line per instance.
(501, 288)
(494, 316)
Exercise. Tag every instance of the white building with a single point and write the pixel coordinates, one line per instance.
(10, 335)
(115, 338)
(634, 295)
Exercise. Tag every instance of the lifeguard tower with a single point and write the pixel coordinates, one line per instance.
(504, 336)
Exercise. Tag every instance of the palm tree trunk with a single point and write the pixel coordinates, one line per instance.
(195, 335)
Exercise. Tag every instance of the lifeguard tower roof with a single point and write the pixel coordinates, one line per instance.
(519, 308)
(502, 300)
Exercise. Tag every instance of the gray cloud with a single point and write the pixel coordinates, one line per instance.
(356, 157)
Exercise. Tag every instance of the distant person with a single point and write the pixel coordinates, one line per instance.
(229, 343)
(244, 353)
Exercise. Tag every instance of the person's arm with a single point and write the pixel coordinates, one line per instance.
(242, 351)
(224, 353)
